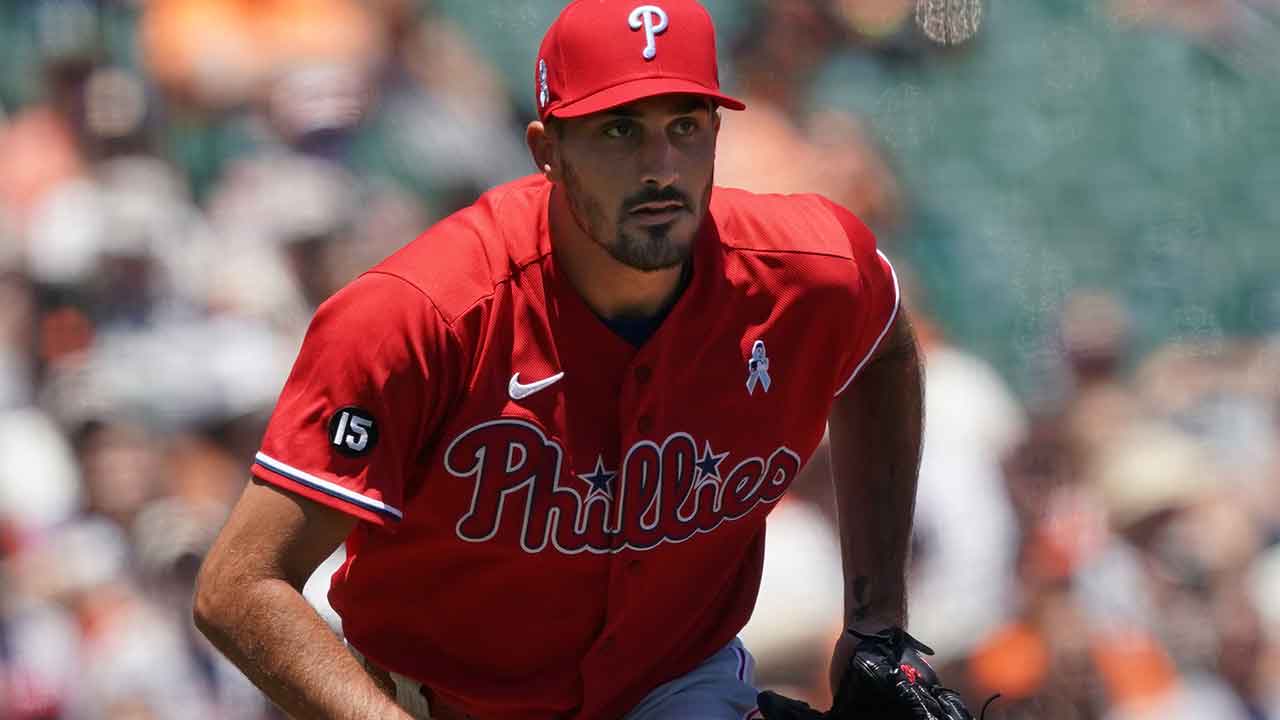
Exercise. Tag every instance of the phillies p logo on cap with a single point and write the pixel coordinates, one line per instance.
(599, 54)
(654, 21)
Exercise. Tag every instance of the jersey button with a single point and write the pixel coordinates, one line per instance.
(645, 424)
(643, 373)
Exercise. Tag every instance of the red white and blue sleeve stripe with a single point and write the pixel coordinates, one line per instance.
(326, 492)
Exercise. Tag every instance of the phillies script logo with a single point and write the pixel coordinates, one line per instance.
(664, 492)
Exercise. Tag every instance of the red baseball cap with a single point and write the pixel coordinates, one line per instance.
(600, 54)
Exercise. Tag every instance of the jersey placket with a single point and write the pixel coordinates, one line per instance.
(645, 390)
(603, 366)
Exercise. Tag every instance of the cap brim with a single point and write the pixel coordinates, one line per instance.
(631, 91)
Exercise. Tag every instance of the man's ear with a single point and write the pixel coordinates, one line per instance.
(542, 148)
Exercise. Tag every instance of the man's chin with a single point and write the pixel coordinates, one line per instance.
(652, 254)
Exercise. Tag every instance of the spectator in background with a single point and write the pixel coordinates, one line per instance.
(40, 483)
(1094, 332)
(1225, 393)
(41, 148)
(1263, 582)
(284, 218)
(18, 335)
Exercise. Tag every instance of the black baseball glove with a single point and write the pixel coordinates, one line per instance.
(886, 679)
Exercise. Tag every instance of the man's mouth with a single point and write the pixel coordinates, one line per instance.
(659, 206)
(655, 213)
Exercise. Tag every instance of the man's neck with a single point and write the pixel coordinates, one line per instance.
(610, 288)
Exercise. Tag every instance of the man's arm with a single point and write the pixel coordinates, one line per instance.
(249, 603)
(875, 435)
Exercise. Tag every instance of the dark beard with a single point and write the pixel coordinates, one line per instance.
(648, 250)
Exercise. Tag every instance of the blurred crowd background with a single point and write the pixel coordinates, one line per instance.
(1081, 201)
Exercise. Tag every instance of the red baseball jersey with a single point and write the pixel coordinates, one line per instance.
(554, 520)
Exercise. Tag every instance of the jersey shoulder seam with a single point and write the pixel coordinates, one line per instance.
(519, 266)
(497, 282)
(788, 251)
(500, 282)
(511, 272)
(826, 205)
(425, 296)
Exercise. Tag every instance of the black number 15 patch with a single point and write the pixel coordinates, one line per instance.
(352, 431)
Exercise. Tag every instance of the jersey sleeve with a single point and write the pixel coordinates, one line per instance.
(876, 299)
(366, 393)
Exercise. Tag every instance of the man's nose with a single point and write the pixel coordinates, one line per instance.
(658, 162)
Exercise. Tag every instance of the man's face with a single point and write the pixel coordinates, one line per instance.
(638, 177)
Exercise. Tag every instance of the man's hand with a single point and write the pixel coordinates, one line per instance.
(847, 646)
(883, 677)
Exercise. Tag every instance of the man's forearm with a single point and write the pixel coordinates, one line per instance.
(875, 436)
(278, 640)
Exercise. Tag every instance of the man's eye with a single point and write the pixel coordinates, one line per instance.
(619, 130)
(685, 126)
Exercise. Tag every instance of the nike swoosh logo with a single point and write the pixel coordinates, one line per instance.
(520, 391)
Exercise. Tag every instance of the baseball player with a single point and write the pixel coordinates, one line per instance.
(550, 429)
